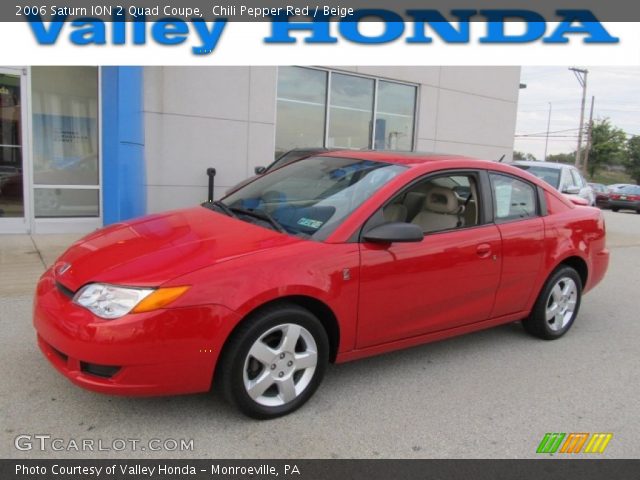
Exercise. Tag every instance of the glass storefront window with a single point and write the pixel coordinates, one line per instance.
(66, 202)
(11, 181)
(395, 112)
(360, 112)
(301, 112)
(351, 111)
(65, 141)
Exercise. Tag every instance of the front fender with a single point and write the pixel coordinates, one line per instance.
(328, 273)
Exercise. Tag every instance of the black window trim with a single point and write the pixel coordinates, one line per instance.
(542, 201)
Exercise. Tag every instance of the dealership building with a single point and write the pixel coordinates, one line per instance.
(83, 147)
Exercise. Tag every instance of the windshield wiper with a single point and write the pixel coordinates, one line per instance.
(260, 214)
(225, 209)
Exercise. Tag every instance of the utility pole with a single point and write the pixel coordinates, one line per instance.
(546, 143)
(589, 138)
(581, 75)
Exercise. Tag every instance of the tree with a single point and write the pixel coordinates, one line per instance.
(517, 155)
(632, 164)
(607, 146)
(568, 158)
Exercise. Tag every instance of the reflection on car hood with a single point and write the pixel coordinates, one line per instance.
(154, 249)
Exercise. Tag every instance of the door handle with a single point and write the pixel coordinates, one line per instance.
(483, 250)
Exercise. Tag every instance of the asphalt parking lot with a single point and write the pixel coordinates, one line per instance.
(492, 394)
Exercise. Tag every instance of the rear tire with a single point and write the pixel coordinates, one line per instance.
(557, 305)
(274, 361)
(614, 209)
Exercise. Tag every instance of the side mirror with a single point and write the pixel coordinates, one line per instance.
(394, 232)
(572, 190)
(259, 170)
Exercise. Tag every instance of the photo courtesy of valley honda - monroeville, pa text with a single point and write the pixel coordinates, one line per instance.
(330, 258)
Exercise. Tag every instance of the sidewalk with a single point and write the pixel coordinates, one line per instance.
(23, 258)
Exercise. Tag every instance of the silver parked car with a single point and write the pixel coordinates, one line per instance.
(616, 187)
(564, 178)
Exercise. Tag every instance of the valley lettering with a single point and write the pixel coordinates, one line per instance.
(424, 27)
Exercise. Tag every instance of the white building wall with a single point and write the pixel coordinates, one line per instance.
(224, 117)
(199, 117)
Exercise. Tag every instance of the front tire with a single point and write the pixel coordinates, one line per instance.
(275, 361)
(557, 305)
(614, 209)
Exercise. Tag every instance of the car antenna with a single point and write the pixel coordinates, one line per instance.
(211, 173)
(501, 158)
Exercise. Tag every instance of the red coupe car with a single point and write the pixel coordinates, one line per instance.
(331, 258)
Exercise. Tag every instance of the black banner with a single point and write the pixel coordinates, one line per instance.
(291, 10)
(542, 469)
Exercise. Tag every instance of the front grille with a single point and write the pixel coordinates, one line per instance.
(104, 371)
(67, 292)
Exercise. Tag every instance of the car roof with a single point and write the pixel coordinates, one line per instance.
(409, 159)
(535, 163)
(425, 161)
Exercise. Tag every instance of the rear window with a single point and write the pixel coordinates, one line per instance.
(549, 175)
(630, 190)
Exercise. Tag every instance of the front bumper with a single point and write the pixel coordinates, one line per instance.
(168, 351)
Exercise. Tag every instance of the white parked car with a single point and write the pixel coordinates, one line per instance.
(564, 178)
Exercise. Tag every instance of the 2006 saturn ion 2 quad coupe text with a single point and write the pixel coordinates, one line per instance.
(331, 258)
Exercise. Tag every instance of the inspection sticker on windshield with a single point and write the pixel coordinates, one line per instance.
(307, 222)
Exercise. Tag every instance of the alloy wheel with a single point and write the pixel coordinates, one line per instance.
(280, 365)
(561, 303)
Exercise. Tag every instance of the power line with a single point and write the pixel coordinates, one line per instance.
(560, 139)
(545, 133)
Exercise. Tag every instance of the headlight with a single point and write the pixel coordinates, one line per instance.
(110, 301)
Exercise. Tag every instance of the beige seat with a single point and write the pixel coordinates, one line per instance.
(441, 211)
(414, 202)
(396, 212)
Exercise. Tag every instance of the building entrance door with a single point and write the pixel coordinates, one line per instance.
(14, 183)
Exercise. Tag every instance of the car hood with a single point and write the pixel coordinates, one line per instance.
(155, 249)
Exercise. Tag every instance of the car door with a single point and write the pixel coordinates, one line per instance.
(448, 279)
(517, 213)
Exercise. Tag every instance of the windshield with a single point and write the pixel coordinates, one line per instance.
(291, 156)
(549, 175)
(310, 197)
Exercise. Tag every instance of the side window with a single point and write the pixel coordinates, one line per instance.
(577, 178)
(513, 199)
(444, 202)
(567, 180)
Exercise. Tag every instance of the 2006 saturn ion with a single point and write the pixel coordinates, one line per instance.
(332, 258)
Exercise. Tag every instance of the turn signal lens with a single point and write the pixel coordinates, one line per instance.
(159, 298)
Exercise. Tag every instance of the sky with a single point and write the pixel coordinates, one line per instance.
(617, 97)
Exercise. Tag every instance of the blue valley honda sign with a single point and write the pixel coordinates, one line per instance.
(413, 27)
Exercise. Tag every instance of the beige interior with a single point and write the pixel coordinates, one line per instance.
(434, 208)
